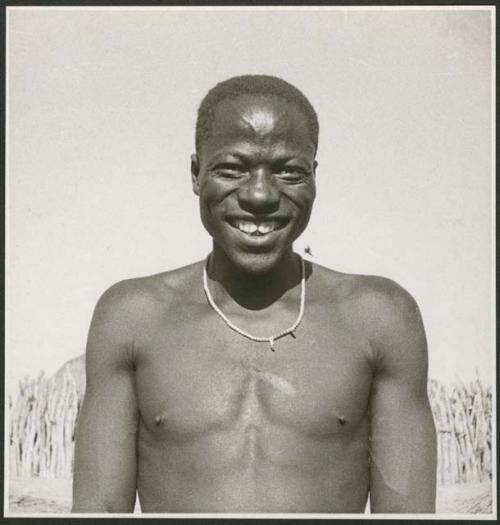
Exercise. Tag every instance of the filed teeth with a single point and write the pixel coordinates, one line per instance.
(265, 228)
(252, 228)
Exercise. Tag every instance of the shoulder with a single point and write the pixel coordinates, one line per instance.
(377, 305)
(132, 301)
(384, 300)
(362, 288)
(135, 295)
(390, 319)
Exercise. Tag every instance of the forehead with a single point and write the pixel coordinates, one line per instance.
(260, 119)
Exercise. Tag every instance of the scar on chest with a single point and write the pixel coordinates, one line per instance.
(277, 382)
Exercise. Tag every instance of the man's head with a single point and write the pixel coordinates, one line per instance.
(255, 85)
(256, 140)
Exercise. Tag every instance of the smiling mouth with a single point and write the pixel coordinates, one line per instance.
(257, 228)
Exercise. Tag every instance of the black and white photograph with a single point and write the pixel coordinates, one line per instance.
(250, 262)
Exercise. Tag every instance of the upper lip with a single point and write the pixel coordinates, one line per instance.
(258, 219)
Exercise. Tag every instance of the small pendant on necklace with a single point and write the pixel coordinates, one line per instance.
(271, 343)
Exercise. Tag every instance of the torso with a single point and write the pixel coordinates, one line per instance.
(226, 425)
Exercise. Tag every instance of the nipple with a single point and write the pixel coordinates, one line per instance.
(159, 420)
(341, 420)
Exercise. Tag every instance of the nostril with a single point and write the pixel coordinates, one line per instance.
(259, 204)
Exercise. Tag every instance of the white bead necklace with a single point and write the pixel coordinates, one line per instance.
(271, 338)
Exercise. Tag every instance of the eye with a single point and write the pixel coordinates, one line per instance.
(229, 171)
(292, 173)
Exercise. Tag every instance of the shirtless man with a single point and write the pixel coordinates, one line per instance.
(195, 415)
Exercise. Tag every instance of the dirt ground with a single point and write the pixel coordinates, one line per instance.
(41, 495)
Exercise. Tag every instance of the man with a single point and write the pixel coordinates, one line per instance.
(270, 385)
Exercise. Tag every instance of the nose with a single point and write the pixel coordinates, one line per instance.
(259, 194)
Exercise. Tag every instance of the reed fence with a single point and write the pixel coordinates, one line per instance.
(463, 417)
(43, 420)
(42, 425)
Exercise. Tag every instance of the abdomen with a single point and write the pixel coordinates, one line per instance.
(254, 469)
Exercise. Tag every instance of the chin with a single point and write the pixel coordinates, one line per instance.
(255, 263)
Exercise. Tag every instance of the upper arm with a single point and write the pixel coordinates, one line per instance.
(402, 433)
(105, 449)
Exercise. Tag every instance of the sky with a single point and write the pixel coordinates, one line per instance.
(101, 113)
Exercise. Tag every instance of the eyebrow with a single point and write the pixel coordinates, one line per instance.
(244, 158)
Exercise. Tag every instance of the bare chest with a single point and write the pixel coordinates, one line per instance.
(198, 377)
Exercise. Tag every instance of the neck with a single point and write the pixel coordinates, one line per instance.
(249, 290)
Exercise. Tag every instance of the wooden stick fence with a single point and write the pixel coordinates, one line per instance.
(463, 417)
(43, 419)
(42, 424)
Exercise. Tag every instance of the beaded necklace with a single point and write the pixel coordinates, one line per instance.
(271, 338)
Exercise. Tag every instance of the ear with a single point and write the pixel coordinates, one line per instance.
(315, 165)
(195, 171)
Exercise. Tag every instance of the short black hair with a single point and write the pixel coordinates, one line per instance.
(260, 85)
